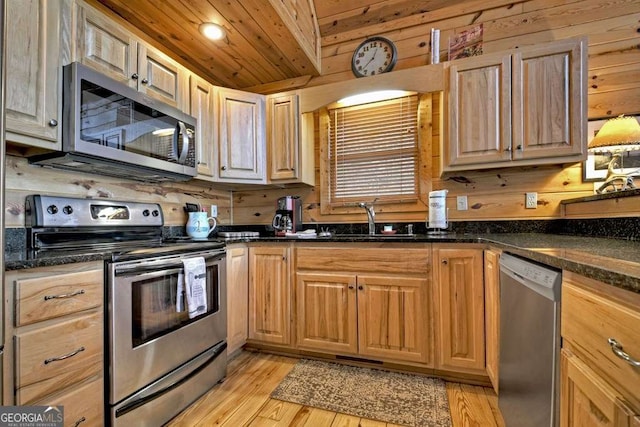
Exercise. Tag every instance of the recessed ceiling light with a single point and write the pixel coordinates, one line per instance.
(212, 31)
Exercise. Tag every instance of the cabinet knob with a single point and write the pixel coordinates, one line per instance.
(53, 123)
(284, 258)
(508, 148)
(224, 168)
(519, 147)
(360, 287)
(351, 287)
(134, 76)
(445, 262)
(144, 81)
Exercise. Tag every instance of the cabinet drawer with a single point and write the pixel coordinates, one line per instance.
(588, 321)
(39, 299)
(83, 405)
(58, 355)
(371, 260)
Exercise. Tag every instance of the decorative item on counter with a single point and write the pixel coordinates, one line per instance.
(617, 137)
(388, 229)
(466, 43)
(438, 211)
(199, 226)
(435, 46)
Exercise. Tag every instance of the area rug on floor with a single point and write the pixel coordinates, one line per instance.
(393, 397)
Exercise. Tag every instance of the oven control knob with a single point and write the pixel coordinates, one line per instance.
(68, 210)
(155, 212)
(52, 209)
(145, 212)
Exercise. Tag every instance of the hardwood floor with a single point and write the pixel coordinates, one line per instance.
(243, 400)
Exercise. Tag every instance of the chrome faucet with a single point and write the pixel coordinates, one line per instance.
(371, 215)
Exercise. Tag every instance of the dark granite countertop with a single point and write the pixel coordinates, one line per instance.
(613, 261)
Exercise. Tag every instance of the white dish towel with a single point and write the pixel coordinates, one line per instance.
(195, 285)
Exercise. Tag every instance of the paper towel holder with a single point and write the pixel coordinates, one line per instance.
(437, 221)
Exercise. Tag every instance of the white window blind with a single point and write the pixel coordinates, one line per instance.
(373, 152)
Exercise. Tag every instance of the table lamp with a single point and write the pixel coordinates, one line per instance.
(616, 137)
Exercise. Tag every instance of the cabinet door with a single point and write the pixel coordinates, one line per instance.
(106, 47)
(393, 318)
(586, 400)
(269, 295)
(33, 71)
(162, 78)
(460, 302)
(202, 95)
(479, 111)
(237, 296)
(549, 100)
(283, 137)
(327, 316)
(492, 313)
(242, 139)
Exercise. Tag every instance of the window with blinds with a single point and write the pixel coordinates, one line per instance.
(373, 152)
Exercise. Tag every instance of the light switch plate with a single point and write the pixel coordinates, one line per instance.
(214, 210)
(461, 203)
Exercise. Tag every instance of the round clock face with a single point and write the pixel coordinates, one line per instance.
(375, 55)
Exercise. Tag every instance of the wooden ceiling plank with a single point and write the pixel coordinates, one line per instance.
(280, 36)
(299, 17)
(468, 7)
(326, 8)
(558, 17)
(281, 86)
(237, 45)
(389, 10)
(227, 72)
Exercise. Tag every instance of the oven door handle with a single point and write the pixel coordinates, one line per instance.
(158, 388)
(171, 266)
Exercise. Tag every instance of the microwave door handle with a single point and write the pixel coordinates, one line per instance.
(174, 142)
(185, 143)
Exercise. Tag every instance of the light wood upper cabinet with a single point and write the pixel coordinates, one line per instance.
(289, 141)
(269, 294)
(241, 127)
(33, 65)
(492, 313)
(524, 107)
(106, 46)
(202, 98)
(459, 316)
(237, 296)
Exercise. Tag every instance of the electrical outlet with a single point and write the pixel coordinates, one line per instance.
(214, 210)
(531, 200)
(461, 203)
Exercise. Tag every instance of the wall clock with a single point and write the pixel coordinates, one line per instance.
(375, 55)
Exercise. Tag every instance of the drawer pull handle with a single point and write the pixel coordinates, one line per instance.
(66, 356)
(617, 350)
(62, 296)
(80, 421)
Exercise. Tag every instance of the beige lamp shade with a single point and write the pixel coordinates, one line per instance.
(617, 134)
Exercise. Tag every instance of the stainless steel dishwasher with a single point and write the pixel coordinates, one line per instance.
(529, 343)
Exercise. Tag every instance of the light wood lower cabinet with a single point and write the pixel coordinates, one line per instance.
(601, 344)
(492, 313)
(587, 400)
(237, 296)
(459, 312)
(372, 302)
(56, 354)
(269, 294)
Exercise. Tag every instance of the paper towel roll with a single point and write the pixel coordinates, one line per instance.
(438, 209)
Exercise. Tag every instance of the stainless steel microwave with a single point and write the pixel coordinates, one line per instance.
(112, 129)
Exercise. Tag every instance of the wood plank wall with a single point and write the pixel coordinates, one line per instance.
(23, 179)
(613, 28)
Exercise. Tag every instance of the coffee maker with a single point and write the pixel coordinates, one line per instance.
(288, 217)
